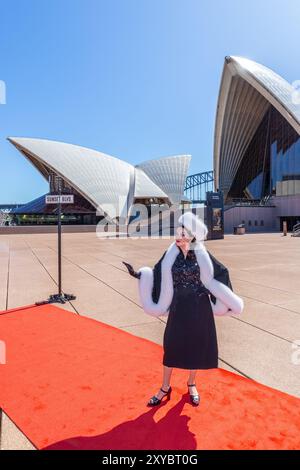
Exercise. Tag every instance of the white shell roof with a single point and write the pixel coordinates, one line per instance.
(246, 92)
(144, 186)
(107, 182)
(274, 84)
(169, 173)
(100, 178)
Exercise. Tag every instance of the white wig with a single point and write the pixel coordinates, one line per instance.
(195, 225)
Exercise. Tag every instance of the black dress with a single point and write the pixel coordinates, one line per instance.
(190, 339)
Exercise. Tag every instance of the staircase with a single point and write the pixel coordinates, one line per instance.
(296, 231)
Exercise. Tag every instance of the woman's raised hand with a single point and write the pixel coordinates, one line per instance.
(131, 271)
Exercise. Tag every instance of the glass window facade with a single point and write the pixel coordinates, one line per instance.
(271, 163)
(37, 212)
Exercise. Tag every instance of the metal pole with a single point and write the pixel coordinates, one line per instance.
(284, 228)
(60, 297)
(59, 239)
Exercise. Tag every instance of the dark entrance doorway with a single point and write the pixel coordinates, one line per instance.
(291, 221)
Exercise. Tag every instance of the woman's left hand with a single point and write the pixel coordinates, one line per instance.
(131, 271)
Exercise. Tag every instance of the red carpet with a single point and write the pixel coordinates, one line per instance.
(73, 383)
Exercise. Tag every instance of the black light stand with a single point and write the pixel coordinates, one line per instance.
(61, 297)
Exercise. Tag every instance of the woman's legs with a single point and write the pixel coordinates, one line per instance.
(167, 372)
(191, 380)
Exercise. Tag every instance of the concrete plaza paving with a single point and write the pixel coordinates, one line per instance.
(264, 269)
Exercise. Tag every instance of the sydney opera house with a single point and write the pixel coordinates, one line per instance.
(256, 160)
(257, 146)
(102, 185)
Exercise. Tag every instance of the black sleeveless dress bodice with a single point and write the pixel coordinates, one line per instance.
(190, 339)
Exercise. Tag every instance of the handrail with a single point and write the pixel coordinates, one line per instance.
(249, 202)
(296, 228)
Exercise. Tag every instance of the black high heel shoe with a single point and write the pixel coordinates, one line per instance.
(156, 401)
(195, 399)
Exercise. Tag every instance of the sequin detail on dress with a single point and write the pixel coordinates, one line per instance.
(186, 273)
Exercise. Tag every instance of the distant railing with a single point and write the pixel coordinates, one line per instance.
(238, 201)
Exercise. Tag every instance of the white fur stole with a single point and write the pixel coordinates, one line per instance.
(227, 302)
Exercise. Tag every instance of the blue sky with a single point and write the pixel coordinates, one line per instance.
(136, 79)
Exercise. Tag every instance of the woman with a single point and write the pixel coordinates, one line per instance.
(184, 286)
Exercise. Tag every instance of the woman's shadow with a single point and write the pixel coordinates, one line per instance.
(170, 432)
